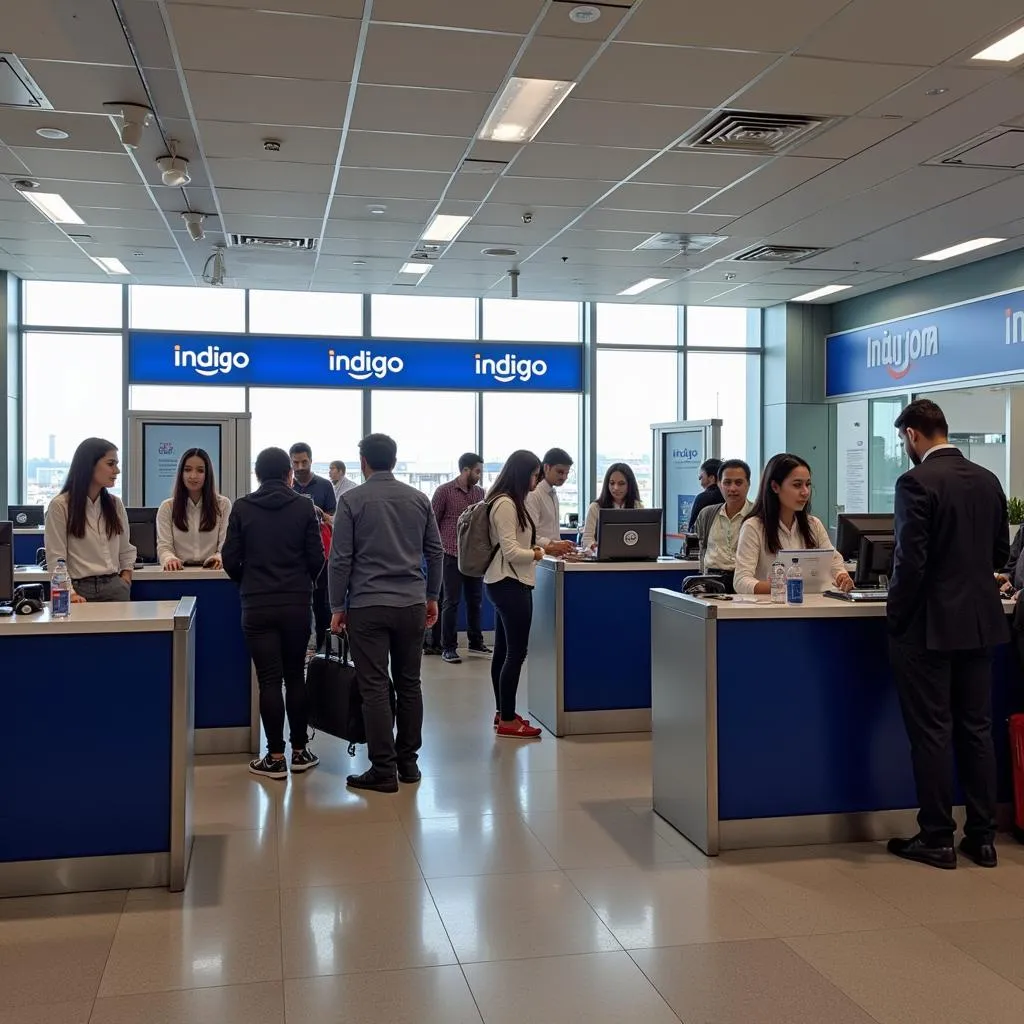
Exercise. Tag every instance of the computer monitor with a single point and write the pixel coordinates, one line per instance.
(851, 527)
(6, 562)
(628, 534)
(24, 517)
(874, 559)
(142, 532)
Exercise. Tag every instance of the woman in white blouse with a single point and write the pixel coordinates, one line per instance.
(191, 524)
(780, 521)
(620, 490)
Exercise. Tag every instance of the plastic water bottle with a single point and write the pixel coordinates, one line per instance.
(795, 584)
(778, 582)
(60, 592)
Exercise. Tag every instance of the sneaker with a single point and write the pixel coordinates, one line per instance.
(451, 655)
(518, 730)
(304, 760)
(480, 649)
(270, 767)
(371, 780)
(519, 718)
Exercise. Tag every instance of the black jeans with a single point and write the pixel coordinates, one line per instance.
(946, 697)
(276, 637)
(455, 585)
(375, 634)
(513, 605)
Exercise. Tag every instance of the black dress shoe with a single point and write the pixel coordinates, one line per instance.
(917, 849)
(409, 773)
(983, 854)
(371, 780)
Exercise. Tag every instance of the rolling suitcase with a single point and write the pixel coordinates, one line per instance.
(1017, 758)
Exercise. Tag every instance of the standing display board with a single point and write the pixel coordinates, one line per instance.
(679, 450)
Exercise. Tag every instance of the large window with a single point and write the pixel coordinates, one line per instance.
(431, 428)
(531, 320)
(72, 391)
(621, 324)
(887, 459)
(174, 398)
(721, 327)
(422, 316)
(71, 304)
(726, 386)
(319, 313)
(167, 308)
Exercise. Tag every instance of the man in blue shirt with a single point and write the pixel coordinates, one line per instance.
(321, 493)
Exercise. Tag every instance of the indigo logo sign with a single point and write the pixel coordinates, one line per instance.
(688, 454)
(364, 364)
(210, 361)
(509, 367)
(898, 352)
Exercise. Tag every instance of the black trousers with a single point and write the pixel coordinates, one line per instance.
(946, 697)
(276, 638)
(513, 605)
(455, 587)
(376, 635)
(321, 611)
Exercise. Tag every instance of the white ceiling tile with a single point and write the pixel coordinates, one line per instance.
(690, 168)
(419, 111)
(515, 17)
(561, 60)
(90, 132)
(849, 137)
(57, 164)
(82, 194)
(298, 145)
(772, 180)
(335, 8)
(284, 204)
(373, 229)
(548, 191)
(363, 247)
(273, 227)
(403, 152)
(395, 210)
(631, 220)
(639, 126)
(15, 208)
(470, 187)
(86, 32)
(271, 175)
(913, 103)
(391, 184)
(544, 219)
(258, 100)
(545, 160)
(657, 198)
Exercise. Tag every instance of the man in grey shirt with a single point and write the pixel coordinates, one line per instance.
(383, 532)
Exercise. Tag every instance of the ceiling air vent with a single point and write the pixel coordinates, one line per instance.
(267, 242)
(681, 242)
(776, 254)
(1001, 148)
(474, 166)
(742, 131)
(17, 87)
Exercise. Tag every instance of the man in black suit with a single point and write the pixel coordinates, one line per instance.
(945, 617)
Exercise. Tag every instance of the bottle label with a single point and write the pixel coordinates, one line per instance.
(60, 602)
(795, 591)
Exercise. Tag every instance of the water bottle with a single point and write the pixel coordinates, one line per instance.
(60, 591)
(778, 582)
(795, 584)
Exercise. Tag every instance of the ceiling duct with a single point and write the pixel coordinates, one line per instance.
(267, 242)
(776, 254)
(18, 88)
(680, 242)
(1000, 148)
(744, 131)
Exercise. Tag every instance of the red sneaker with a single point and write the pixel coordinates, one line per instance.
(519, 718)
(518, 730)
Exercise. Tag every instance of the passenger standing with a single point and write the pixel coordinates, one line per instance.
(945, 617)
(711, 493)
(339, 478)
(542, 503)
(87, 526)
(273, 550)
(321, 493)
(191, 524)
(384, 532)
(449, 502)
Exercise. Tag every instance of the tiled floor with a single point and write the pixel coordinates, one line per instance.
(519, 882)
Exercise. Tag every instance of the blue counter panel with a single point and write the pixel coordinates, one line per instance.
(25, 548)
(818, 692)
(89, 726)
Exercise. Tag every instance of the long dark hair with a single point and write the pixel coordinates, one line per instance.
(78, 482)
(514, 482)
(632, 498)
(179, 508)
(767, 506)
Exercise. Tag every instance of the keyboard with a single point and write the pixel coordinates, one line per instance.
(859, 596)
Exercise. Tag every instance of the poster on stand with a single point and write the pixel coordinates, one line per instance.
(163, 446)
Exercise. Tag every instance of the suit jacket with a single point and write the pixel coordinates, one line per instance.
(952, 533)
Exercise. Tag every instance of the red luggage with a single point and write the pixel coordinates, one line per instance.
(1017, 757)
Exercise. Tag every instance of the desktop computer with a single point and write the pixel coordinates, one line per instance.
(25, 517)
(852, 526)
(142, 533)
(628, 534)
(874, 560)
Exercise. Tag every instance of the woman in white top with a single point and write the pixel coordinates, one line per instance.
(87, 527)
(510, 580)
(620, 490)
(191, 524)
(780, 521)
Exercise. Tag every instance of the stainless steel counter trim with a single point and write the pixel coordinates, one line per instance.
(182, 741)
(83, 874)
(711, 711)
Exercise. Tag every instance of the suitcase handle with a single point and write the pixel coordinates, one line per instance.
(336, 647)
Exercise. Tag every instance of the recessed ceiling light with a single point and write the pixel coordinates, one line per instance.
(585, 14)
(820, 293)
(415, 268)
(497, 251)
(523, 108)
(376, 209)
(359, 263)
(1006, 49)
(54, 207)
(444, 227)
(110, 264)
(642, 286)
(941, 90)
(56, 134)
(959, 250)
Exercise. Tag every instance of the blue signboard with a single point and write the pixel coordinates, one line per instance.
(980, 338)
(157, 357)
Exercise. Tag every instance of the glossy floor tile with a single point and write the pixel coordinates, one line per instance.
(528, 883)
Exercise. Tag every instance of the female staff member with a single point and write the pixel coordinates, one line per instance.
(779, 521)
(87, 526)
(619, 491)
(191, 524)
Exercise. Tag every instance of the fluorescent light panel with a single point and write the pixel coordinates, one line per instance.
(444, 227)
(415, 268)
(53, 206)
(523, 108)
(820, 293)
(959, 250)
(1006, 49)
(111, 264)
(642, 286)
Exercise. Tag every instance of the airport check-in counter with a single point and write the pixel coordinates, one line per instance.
(777, 725)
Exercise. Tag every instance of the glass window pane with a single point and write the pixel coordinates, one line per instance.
(317, 313)
(887, 459)
(72, 304)
(329, 421)
(719, 327)
(172, 398)
(167, 308)
(537, 423)
(727, 387)
(72, 391)
(622, 324)
(431, 428)
(623, 423)
(531, 320)
(422, 316)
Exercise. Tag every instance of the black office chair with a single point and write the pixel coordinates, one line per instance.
(701, 586)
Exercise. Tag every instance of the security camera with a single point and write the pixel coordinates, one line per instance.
(174, 171)
(135, 118)
(194, 224)
(527, 218)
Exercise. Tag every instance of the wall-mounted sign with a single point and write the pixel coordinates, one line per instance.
(980, 338)
(157, 357)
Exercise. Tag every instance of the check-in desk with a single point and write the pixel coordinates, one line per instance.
(227, 716)
(589, 667)
(99, 716)
(778, 725)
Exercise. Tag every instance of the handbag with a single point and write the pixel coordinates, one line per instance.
(335, 706)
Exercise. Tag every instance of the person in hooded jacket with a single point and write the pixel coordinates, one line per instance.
(274, 551)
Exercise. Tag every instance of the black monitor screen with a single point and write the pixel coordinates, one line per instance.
(6, 562)
(142, 533)
(874, 559)
(25, 516)
(852, 527)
